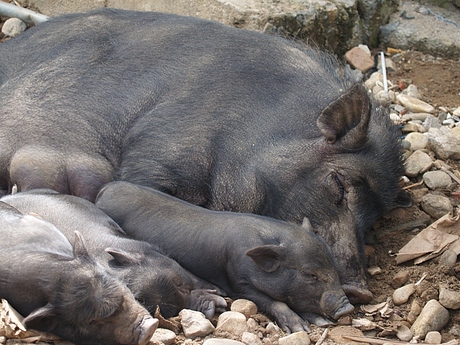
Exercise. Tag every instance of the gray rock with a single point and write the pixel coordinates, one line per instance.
(418, 141)
(449, 299)
(233, 322)
(404, 333)
(298, 338)
(436, 205)
(195, 324)
(415, 116)
(448, 258)
(13, 27)
(432, 318)
(410, 29)
(431, 122)
(359, 59)
(417, 163)
(412, 91)
(400, 278)
(437, 179)
(443, 143)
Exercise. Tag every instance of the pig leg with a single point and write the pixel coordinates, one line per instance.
(287, 319)
(206, 301)
(68, 173)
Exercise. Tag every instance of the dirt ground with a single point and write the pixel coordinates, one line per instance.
(438, 80)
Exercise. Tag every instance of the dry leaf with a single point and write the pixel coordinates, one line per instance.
(432, 241)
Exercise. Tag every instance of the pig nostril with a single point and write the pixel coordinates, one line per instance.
(146, 329)
(357, 295)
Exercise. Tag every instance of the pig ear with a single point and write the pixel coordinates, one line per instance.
(403, 199)
(267, 257)
(43, 319)
(123, 258)
(79, 247)
(346, 119)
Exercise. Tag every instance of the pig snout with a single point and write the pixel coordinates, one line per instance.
(335, 305)
(357, 294)
(145, 330)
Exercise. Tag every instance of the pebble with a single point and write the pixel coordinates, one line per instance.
(412, 91)
(232, 322)
(443, 143)
(222, 341)
(436, 205)
(448, 258)
(13, 27)
(359, 59)
(432, 318)
(404, 333)
(437, 179)
(400, 278)
(415, 116)
(245, 307)
(195, 324)
(414, 312)
(449, 299)
(433, 337)
(249, 338)
(456, 112)
(415, 105)
(417, 163)
(298, 338)
(401, 295)
(373, 79)
(418, 141)
(164, 336)
(431, 122)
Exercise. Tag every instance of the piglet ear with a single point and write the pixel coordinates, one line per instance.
(346, 120)
(42, 319)
(123, 258)
(79, 247)
(267, 257)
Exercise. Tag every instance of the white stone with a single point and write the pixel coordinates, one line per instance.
(418, 141)
(448, 258)
(404, 333)
(373, 79)
(401, 295)
(411, 91)
(444, 144)
(298, 338)
(249, 338)
(195, 324)
(418, 162)
(415, 105)
(245, 307)
(433, 337)
(456, 112)
(233, 322)
(164, 336)
(13, 27)
(414, 116)
(432, 318)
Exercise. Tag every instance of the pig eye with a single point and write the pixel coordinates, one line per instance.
(339, 181)
(311, 278)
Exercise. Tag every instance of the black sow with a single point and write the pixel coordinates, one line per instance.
(223, 118)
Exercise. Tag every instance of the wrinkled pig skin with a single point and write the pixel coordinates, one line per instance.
(60, 289)
(286, 269)
(154, 279)
(224, 118)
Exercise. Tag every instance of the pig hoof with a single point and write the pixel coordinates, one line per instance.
(207, 302)
(317, 320)
(146, 329)
(357, 295)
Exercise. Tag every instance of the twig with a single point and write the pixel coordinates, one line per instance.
(27, 16)
(421, 279)
(451, 174)
(323, 337)
(413, 185)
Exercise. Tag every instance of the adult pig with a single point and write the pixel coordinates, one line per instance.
(286, 269)
(60, 289)
(154, 279)
(223, 118)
